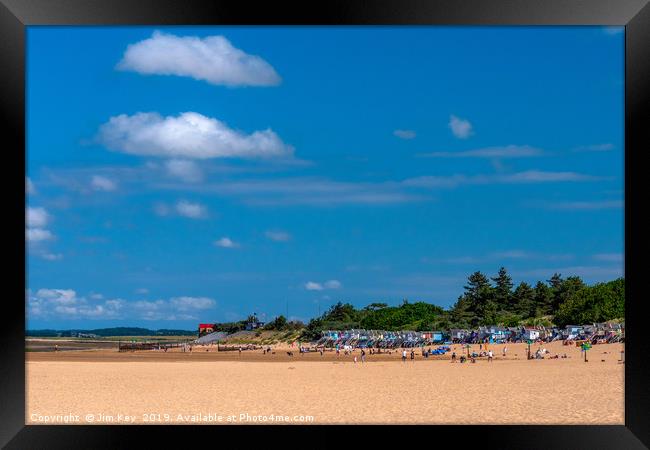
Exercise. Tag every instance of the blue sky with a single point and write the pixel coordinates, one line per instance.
(178, 175)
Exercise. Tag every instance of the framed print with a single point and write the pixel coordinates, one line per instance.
(249, 217)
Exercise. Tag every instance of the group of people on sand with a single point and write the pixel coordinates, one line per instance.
(363, 356)
(541, 352)
(404, 354)
(463, 358)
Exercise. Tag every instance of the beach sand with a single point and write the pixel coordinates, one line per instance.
(209, 387)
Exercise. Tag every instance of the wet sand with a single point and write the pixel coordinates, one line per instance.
(209, 386)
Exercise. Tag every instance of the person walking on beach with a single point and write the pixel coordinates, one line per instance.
(404, 355)
(505, 349)
(453, 357)
(412, 355)
(56, 347)
(490, 355)
(363, 355)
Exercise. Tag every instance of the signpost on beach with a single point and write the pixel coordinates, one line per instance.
(529, 342)
(586, 346)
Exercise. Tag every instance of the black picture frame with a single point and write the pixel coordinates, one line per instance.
(15, 15)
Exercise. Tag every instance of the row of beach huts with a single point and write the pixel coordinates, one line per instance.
(607, 332)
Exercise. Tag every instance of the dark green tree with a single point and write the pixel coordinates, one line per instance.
(544, 298)
(565, 290)
(524, 303)
(376, 306)
(555, 281)
(590, 304)
(460, 316)
(486, 307)
(342, 312)
(503, 290)
(476, 283)
(278, 324)
(480, 297)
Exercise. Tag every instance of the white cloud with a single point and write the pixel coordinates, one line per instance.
(333, 284)
(191, 303)
(613, 30)
(594, 148)
(226, 242)
(589, 273)
(529, 176)
(538, 176)
(330, 284)
(316, 191)
(508, 151)
(185, 170)
(142, 291)
(191, 210)
(149, 305)
(115, 303)
(405, 134)
(512, 254)
(64, 303)
(278, 236)
(611, 257)
(110, 309)
(461, 128)
(182, 208)
(36, 217)
(588, 205)
(189, 135)
(213, 59)
(52, 256)
(59, 296)
(490, 258)
(313, 286)
(101, 183)
(311, 191)
(66, 310)
(30, 189)
(38, 234)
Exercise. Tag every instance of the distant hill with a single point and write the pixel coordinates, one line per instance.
(117, 331)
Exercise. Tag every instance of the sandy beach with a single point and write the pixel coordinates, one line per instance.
(208, 387)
